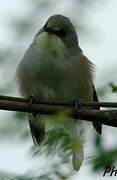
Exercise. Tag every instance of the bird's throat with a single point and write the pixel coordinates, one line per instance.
(51, 44)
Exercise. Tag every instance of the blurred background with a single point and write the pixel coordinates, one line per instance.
(96, 25)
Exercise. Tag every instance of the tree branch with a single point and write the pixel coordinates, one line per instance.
(45, 107)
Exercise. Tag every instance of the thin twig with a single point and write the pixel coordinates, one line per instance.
(62, 103)
(104, 117)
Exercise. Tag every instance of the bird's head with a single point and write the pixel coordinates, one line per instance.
(62, 27)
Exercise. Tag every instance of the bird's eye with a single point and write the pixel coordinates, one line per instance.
(60, 33)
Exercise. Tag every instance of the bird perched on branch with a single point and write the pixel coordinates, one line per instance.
(54, 68)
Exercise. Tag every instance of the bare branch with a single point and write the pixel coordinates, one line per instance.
(104, 117)
(63, 103)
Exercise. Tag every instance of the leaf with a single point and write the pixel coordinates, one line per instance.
(114, 87)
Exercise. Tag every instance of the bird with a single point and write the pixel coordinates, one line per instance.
(55, 68)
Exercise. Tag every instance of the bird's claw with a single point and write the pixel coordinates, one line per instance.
(77, 103)
(31, 100)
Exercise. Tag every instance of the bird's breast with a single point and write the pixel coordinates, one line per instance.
(49, 68)
(49, 72)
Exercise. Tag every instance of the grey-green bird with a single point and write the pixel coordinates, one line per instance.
(54, 68)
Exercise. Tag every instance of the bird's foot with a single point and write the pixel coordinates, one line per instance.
(31, 100)
(77, 103)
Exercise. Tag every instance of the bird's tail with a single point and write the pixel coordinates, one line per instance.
(72, 128)
(78, 153)
(37, 127)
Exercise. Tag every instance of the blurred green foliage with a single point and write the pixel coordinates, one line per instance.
(105, 159)
(113, 87)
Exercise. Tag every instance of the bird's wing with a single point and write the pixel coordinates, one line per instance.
(97, 126)
(37, 128)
